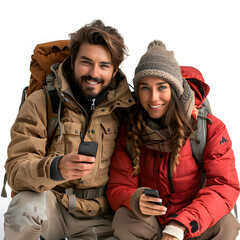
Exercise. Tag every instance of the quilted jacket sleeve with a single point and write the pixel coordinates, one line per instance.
(27, 166)
(221, 191)
(122, 183)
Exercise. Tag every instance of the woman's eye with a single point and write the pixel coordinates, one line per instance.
(162, 87)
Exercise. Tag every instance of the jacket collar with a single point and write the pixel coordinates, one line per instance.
(118, 91)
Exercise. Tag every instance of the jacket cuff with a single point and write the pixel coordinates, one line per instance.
(174, 231)
(134, 202)
(54, 171)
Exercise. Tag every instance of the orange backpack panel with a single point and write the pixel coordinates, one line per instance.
(43, 57)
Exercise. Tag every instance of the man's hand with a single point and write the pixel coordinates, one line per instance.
(149, 208)
(74, 166)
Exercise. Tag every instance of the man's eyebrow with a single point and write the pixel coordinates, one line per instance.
(107, 63)
(89, 59)
(86, 58)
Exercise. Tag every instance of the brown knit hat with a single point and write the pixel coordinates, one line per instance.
(159, 62)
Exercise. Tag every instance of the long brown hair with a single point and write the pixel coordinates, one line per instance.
(175, 120)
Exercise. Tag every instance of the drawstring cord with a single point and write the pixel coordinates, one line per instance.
(59, 120)
(53, 67)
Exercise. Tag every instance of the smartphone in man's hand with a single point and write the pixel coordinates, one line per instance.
(88, 149)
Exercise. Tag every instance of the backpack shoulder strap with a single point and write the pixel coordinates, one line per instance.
(52, 105)
(206, 104)
(198, 138)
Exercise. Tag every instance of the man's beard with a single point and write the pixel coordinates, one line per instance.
(88, 93)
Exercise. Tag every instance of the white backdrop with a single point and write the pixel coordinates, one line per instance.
(203, 34)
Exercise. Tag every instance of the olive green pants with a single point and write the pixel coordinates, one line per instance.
(127, 225)
(31, 215)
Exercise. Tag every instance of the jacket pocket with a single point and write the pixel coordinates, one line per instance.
(66, 139)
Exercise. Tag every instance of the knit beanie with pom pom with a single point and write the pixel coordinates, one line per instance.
(159, 62)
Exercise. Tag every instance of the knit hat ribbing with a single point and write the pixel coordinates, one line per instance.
(159, 62)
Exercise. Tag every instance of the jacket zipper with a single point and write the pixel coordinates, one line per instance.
(93, 104)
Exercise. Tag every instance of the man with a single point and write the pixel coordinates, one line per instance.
(61, 193)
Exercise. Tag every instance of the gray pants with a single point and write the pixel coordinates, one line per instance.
(31, 215)
(128, 226)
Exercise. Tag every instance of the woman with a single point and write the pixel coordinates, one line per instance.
(157, 136)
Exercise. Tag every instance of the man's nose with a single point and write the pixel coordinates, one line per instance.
(94, 71)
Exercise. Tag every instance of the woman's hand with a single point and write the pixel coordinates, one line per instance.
(168, 237)
(148, 208)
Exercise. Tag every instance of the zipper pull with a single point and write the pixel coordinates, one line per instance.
(93, 104)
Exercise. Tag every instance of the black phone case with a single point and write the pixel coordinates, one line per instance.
(88, 148)
(152, 193)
